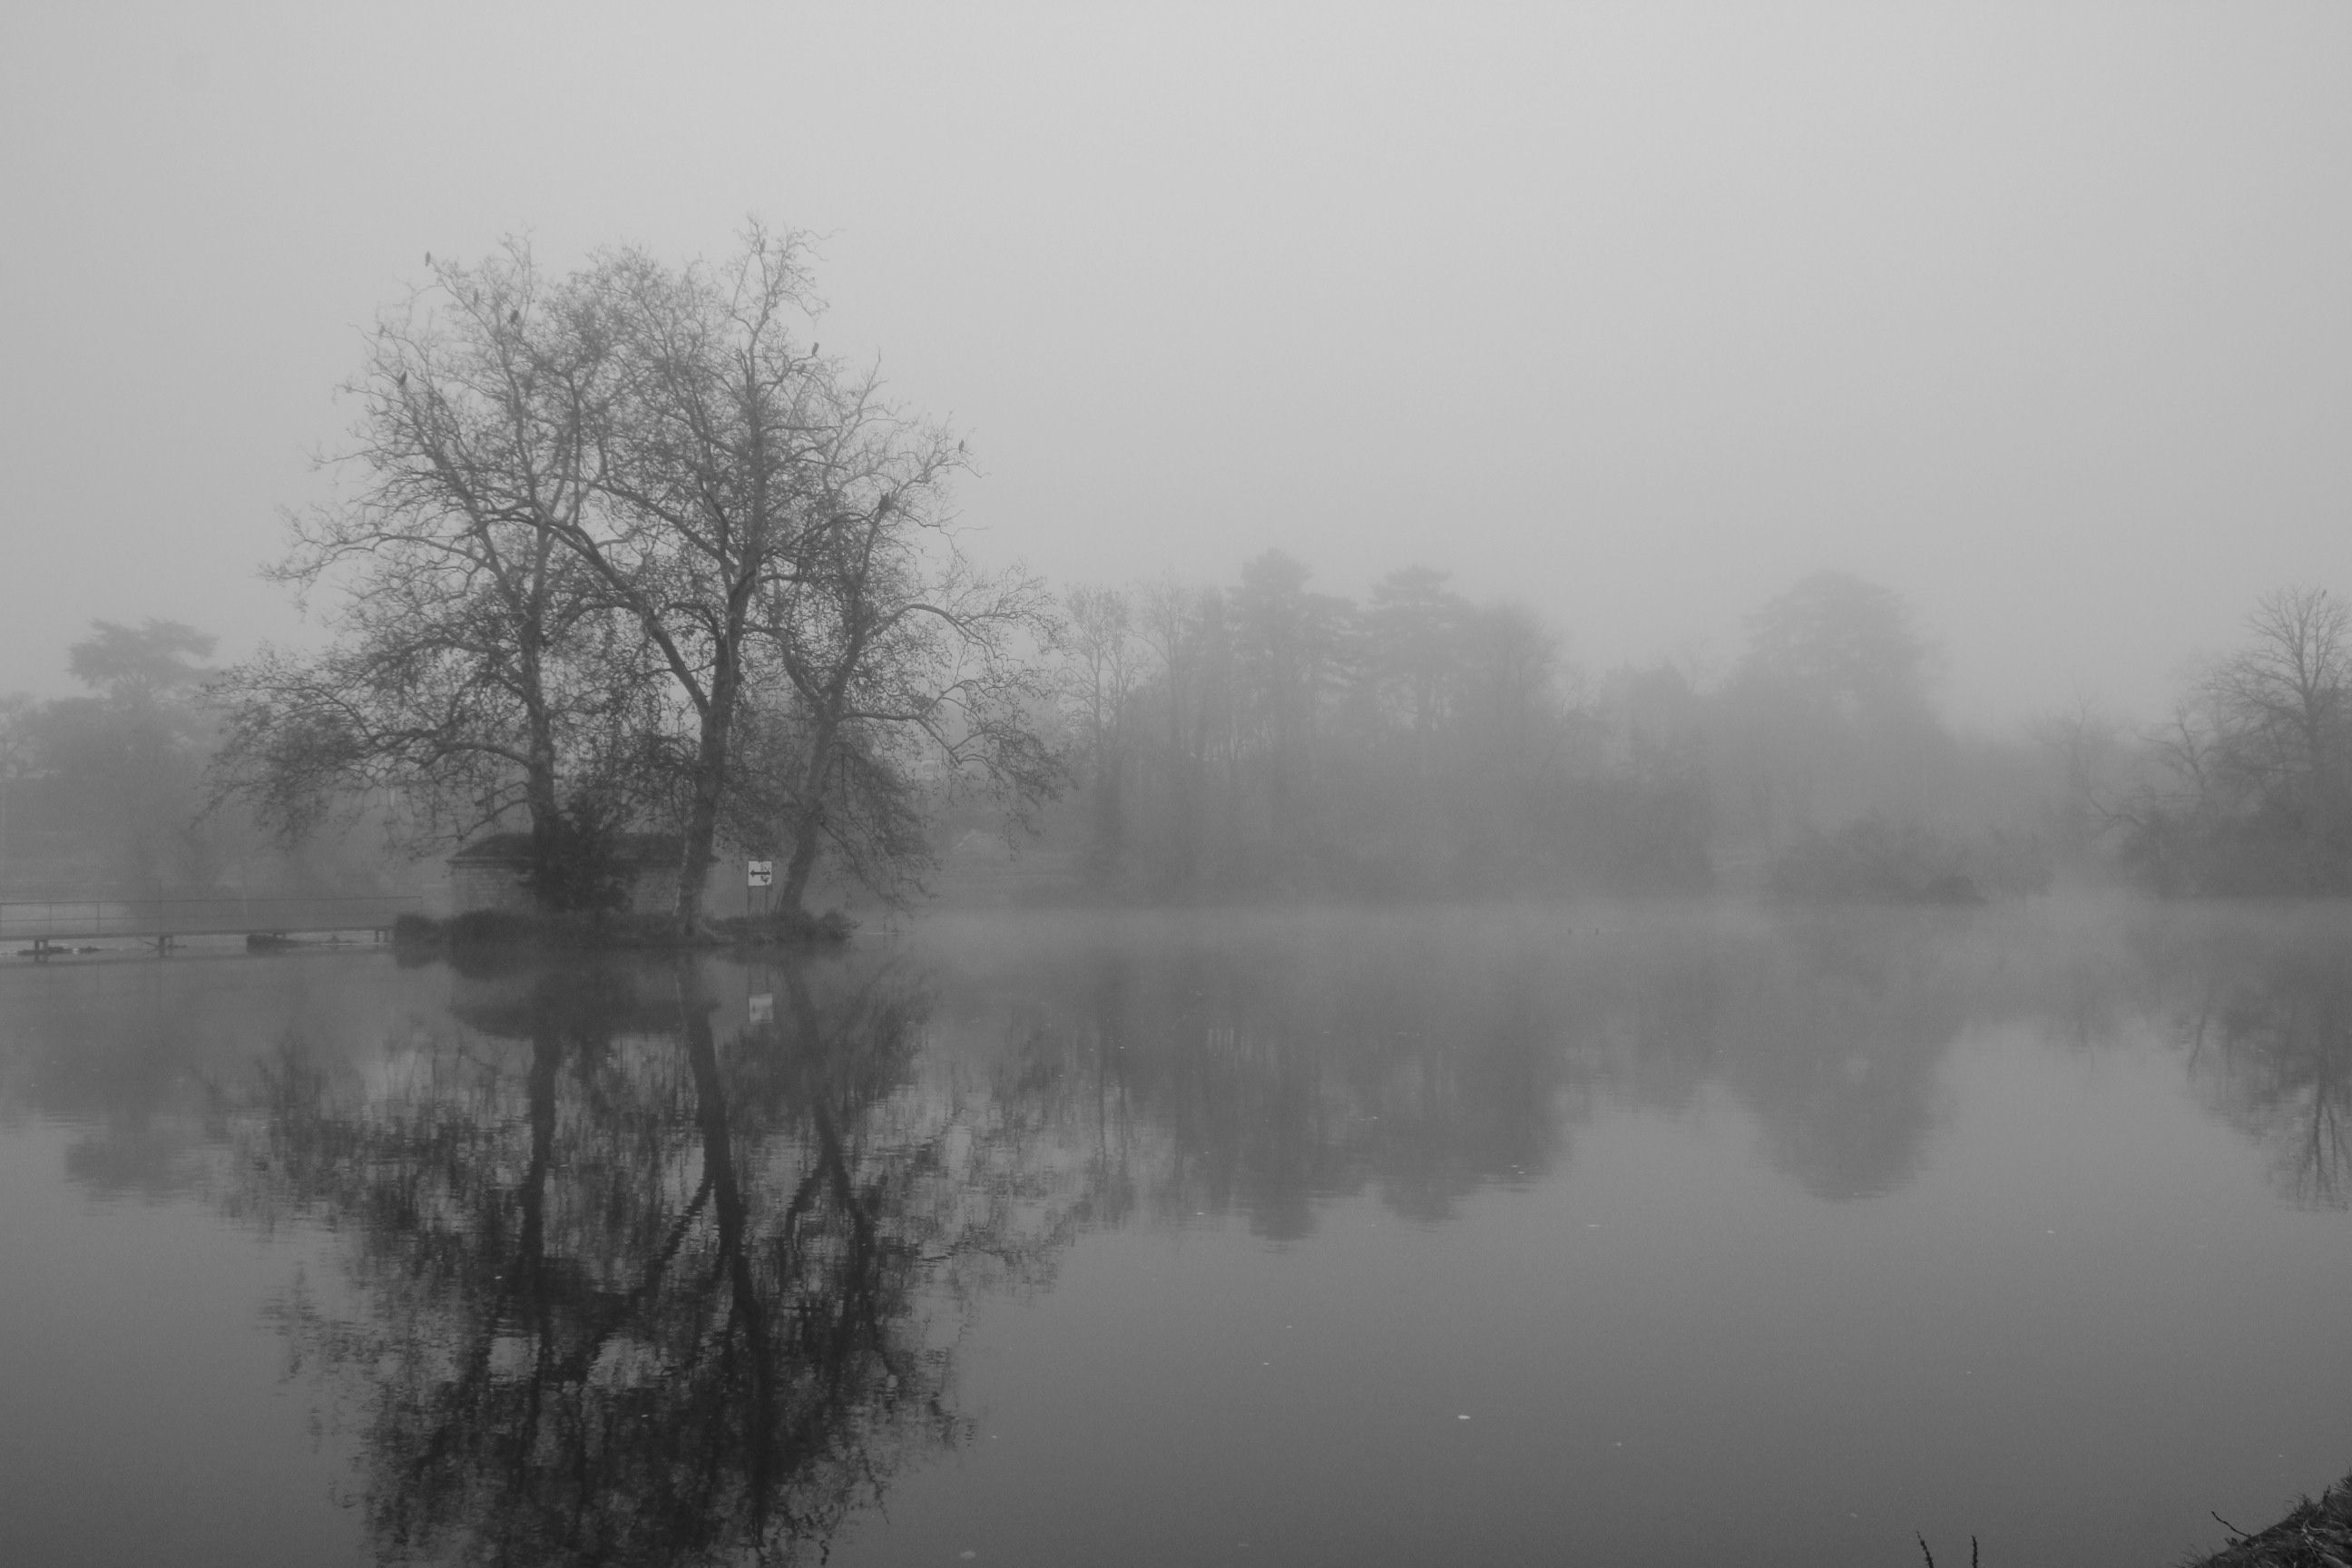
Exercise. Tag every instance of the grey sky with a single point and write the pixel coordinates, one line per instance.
(2041, 315)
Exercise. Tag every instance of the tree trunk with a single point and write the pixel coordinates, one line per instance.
(696, 853)
(710, 762)
(731, 1209)
(808, 832)
(1109, 818)
(530, 1277)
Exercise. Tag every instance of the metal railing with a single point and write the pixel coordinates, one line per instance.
(46, 921)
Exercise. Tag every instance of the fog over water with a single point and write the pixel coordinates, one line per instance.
(1053, 784)
(1638, 313)
(1609, 1234)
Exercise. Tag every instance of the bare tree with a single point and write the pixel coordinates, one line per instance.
(476, 665)
(2083, 746)
(595, 512)
(1187, 633)
(1414, 640)
(711, 470)
(1829, 715)
(1287, 646)
(18, 712)
(2249, 788)
(1103, 675)
(2281, 704)
(906, 662)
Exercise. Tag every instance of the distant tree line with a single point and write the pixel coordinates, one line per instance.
(2244, 789)
(106, 791)
(626, 553)
(1260, 740)
(1266, 738)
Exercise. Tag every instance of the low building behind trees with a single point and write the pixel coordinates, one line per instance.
(500, 871)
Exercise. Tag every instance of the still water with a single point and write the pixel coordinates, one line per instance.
(1606, 1234)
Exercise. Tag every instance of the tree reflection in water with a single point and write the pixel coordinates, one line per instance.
(2269, 1036)
(633, 1287)
(1265, 1077)
(640, 1292)
(1829, 1030)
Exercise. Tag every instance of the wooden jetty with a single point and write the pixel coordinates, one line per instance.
(50, 926)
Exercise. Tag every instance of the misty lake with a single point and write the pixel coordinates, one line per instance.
(1604, 1233)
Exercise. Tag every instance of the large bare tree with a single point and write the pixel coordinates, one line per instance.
(477, 664)
(1105, 668)
(595, 512)
(710, 471)
(908, 667)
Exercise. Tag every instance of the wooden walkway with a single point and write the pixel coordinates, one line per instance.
(53, 925)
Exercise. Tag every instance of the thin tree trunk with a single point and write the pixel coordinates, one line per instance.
(697, 853)
(711, 759)
(731, 1209)
(808, 832)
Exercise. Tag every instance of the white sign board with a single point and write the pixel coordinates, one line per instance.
(759, 873)
(764, 1008)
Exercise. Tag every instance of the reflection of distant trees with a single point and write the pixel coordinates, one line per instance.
(640, 1289)
(1219, 1079)
(637, 1281)
(1829, 1029)
(1262, 1077)
(2269, 1034)
(129, 1056)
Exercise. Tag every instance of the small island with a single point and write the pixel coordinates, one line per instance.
(571, 891)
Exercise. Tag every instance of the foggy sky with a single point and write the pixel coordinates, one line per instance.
(2041, 315)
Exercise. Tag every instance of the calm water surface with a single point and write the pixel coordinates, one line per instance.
(1609, 1235)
